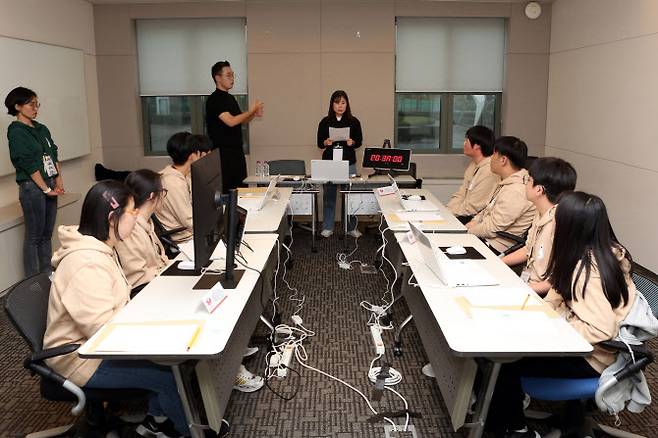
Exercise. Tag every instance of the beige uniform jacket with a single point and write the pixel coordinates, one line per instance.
(87, 290)
(175, 211)
(141, 255)
(508, 210)
(539, 244)
(476, 190)
(592, 315)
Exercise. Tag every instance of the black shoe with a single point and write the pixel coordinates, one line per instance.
(152, 429)
(528, 433)
(224, 430)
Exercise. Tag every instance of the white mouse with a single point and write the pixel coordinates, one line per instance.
(456, 250)
(296, 178)
(414, 198)
(186, 265)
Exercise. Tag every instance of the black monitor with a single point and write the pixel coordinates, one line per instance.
(234, 225)
(207, 210)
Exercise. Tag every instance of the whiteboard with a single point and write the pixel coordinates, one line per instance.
(57, 75)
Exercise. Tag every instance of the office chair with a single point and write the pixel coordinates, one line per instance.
(287, 167)
(102, 173)
(170, 247)
(576, 392)
(411, 172)
(27, 309)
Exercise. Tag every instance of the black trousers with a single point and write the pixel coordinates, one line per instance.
(506, 410)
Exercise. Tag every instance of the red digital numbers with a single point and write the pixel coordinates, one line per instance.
(375, 157)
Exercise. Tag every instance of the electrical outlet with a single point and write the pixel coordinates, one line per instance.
(286, 360)
(376, 334)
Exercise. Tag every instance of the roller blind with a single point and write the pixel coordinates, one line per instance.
(175, 55)
(450, 54)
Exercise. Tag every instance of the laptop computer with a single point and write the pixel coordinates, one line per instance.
(453, 273)
(259, 203)
(330, 170)
(410, 205)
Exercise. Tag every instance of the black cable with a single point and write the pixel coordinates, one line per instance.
(280, 395)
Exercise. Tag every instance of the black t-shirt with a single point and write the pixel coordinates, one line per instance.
(222, 135)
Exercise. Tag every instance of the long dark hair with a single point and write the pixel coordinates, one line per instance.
(584, 236)
(142, 183)
(103, 198)
(335, 97)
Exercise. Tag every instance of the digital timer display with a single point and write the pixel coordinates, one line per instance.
(382, 158)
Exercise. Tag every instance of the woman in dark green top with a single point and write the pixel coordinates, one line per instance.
(34, 155)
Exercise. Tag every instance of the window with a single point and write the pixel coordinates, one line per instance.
(174, 59)
(449, 74)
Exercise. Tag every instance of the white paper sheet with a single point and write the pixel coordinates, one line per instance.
(339, 134)
(149, 338)
(490, 297)
(419, 216)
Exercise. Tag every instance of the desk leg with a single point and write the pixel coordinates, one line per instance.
(193, 421)
(314, 217)
(484, 400)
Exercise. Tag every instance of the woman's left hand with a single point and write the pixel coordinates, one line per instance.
(59, 185)
(350, 142)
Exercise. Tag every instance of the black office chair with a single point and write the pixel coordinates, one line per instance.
(578, 393)
(170, 247)
(27, 309)
(411, 172)
(102, 173)
(287, 167)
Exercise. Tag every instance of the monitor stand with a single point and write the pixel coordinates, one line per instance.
(208, 280)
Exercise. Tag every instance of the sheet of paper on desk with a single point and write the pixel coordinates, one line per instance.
(187, 248)
(160, 337)
(418, 216)
(339, 134)
(492, 297)
(250, 204)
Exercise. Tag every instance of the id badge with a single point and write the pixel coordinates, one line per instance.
(540, 252)
(49, 166)
(525, 275)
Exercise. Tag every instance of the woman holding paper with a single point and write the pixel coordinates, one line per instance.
(88, 289)
(592, 289)
(339, 135)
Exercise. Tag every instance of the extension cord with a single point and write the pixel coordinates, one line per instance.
(394, 379)
(297, 319)
(286, 359)
(377, 340)
(275, 360)
(344, 265)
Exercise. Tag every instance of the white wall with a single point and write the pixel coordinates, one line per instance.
(67, 23)
(602, 108)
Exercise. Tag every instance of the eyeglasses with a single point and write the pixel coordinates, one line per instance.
(33, 104)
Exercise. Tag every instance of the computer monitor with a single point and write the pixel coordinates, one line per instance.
(207, 210)
(235, 218)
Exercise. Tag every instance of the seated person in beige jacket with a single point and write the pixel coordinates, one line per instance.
(548, 178)
(592, 289)
(141, 254)
(479, 182)
(175, 211)
(508, 209)
(88, 289)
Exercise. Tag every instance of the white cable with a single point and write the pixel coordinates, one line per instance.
(300, 355)
(406, 406)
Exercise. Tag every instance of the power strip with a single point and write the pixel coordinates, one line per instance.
(286, 360)
(377, 339)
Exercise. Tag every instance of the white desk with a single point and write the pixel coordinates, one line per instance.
(504, 334)
(267, 220)
(222, 339)
(390, 208)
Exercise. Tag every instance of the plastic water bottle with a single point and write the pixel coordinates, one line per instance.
(266, 169)
(259, 168)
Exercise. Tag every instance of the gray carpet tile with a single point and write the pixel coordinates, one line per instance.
(321, 407)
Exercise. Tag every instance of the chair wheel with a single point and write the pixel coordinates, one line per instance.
(397, 351)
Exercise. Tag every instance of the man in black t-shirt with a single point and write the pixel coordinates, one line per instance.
(224, 119)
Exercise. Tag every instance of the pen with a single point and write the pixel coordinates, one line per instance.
(525, 302)
(194, 337)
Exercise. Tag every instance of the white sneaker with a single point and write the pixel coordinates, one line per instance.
(250, 351)
(428, 370)
(355, 233)
(326, 233)
(246, 381)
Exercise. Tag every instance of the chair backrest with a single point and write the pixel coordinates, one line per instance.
(411, 172)
(27, 308)
(647, 283)
(287, 167)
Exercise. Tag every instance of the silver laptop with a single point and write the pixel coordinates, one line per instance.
(410, 205)
(330, 170)
(269, 193)
(453, 273)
